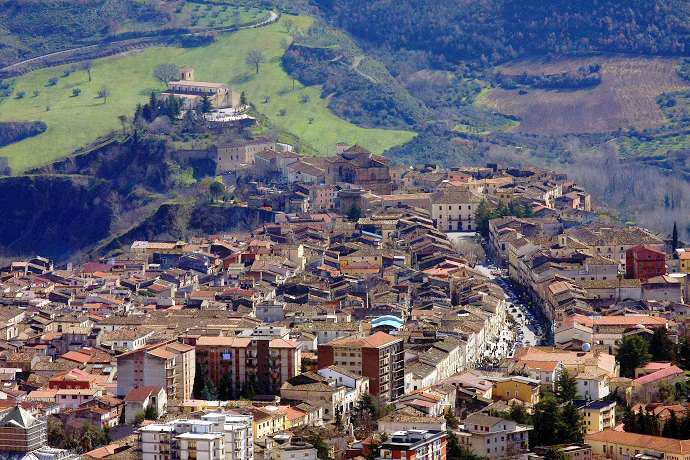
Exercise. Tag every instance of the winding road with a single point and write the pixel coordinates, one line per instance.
(271, 18)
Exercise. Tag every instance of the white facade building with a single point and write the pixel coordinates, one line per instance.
(216, 437)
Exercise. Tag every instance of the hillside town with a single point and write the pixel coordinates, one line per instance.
(374, 312)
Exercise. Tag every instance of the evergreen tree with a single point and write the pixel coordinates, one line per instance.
(546, 422)
(355, 213)
(630, 422)
(501, 209)
(519, 414)
(632, 352)
(455, 451)
(205, 105)
(661, 346)
(570, 428)
(243, 99)
(482, 216)
(566, 387)
(452, 421)
(683, 355)
(674, 239)
(225, 389)
(209, 393)
(199, 381)
(150, 413)
(320, 445)
(671, 427)
(555, 454)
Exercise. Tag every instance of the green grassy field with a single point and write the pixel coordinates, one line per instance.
(76, 121)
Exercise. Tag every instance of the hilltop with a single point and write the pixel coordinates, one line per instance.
(75, 121)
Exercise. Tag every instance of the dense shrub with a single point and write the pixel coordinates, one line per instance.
(15, 131)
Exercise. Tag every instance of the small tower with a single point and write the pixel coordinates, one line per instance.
(187, 73)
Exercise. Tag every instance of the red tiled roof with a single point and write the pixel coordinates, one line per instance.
(647, 442)
(658, 375)
(139, 394)
(376, 340)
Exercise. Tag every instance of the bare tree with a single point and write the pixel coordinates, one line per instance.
(289, 23)
(123, 121)
(236, 18)
(86, 65)
(166, 72)
(104, 93)
(285, 44)
(471, 250)
(254, 58)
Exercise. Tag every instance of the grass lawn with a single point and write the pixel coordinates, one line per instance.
(76, 121)
(197, 15)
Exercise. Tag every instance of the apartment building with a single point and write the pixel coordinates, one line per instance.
(379, 356)
(182, 440)
(643, 263)
(597, 415)
(238, 431)
(168, 364)
(414, 445)
(21, 433)
(269, 361)
(494, 437)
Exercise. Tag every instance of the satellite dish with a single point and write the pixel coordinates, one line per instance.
(586, 347)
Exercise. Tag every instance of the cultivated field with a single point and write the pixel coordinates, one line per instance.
(76, 121)
(626, 96)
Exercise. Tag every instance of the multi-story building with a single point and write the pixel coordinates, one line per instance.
(619, 445)
(494, 437)
(239, 434)
(453, 209)
(182, 440)
(267, 361)
(21, 433)
(379, 356)
(684, 263)
(642, 262)
(414, 445)
(293, 450)
(524, 389)
(168, 364)
(272, 164)
(597, 415)
(231, 156)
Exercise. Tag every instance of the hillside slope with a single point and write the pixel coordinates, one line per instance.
(497, 30)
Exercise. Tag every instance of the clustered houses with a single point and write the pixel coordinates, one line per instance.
(569, 268)
(347, 287)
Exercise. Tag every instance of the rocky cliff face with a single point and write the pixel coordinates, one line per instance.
(52, 215)
(107, 198)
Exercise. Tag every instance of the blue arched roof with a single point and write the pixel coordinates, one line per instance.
(388, 322)
(387, 318)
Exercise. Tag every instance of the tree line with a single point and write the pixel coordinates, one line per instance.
(485, 212)
(584, 78)
(490, 32)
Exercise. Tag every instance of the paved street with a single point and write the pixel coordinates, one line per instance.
(528, 331)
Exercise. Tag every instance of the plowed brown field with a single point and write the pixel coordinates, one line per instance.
(626, 96)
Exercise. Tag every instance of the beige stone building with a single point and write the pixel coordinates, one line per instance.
(192, 91)
(454, 209)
